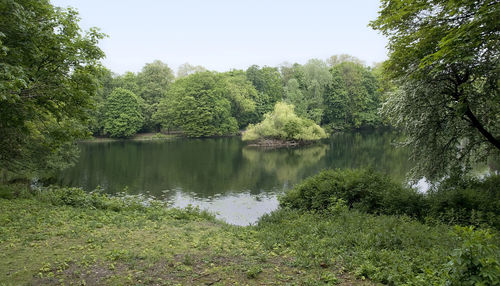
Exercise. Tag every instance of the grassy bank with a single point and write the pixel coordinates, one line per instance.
(332, 229)
(64, 236)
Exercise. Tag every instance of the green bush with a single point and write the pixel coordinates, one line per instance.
(466, 201)
(364, 190)
(284, 124)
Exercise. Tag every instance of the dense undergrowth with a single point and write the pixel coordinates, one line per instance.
(388, 233)
(339, 227)
(461, 201)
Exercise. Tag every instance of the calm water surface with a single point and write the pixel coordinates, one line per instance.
(238, 183)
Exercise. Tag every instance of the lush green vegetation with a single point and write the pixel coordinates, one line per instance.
(466, 202)
(342, 95)
(47, 83)
(122, 115)
(128, 240)
(370, 225)
(284, 124)
(387, 249)
(67, 236)
(444, 59)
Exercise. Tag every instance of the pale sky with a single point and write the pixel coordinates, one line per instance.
(232, 34)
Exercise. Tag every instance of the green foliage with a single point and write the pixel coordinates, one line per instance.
(455, 201)
(96, 239)
(387, 249)
(198, 106)
(153, 82)
(122, 114)
(306, 88)
(444, 57)
(466, 201)
(267, 81)
(284, 124)
(242, 95)
(48, 68)
(476, 261)
(187, 69)
(351, 98)
(363, 190)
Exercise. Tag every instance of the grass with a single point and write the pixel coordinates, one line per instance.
(69, 237)
(87, 240)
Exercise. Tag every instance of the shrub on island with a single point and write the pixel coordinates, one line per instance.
(283, 125)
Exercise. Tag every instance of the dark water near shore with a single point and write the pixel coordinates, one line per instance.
(221, 174)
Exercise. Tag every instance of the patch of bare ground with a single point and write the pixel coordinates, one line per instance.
(191, 269)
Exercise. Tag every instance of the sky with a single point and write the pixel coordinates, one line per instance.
(224, 35)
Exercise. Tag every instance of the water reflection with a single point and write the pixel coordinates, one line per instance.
(245, 208)
(221, 174)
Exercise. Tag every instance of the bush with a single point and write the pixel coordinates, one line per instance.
(466, 201)
(364, 190)
(284, 124)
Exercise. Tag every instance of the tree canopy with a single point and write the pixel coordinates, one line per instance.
(351, 99)
(122, 114)
(48, 67)
(444, 56)
(197, 105)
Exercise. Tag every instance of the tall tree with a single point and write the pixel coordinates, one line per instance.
(187, 69)
(343, 58)
(153, 82)
(267, 81)
(242, 95)
(122, 114)
(351, 99)
(445, 56)
(47, 81)
(198, 106)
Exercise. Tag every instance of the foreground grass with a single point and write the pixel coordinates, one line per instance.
(60, 238)
(66, 236)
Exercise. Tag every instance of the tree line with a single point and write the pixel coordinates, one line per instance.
(339, 93)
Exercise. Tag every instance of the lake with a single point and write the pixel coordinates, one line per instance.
(236, 182)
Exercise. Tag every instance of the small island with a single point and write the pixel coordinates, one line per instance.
(283, 128)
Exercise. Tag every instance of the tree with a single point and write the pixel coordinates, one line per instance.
(351, 99)
(128, 81)
(242, 95)
(122, 115)
(47, 81)
(198, 106)
(187, 69)
(343, 58)
(106, 84)
(305, 88)
(294, 96)
(153, 82)
(267, 81)
(284, 124)
(445, 57)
